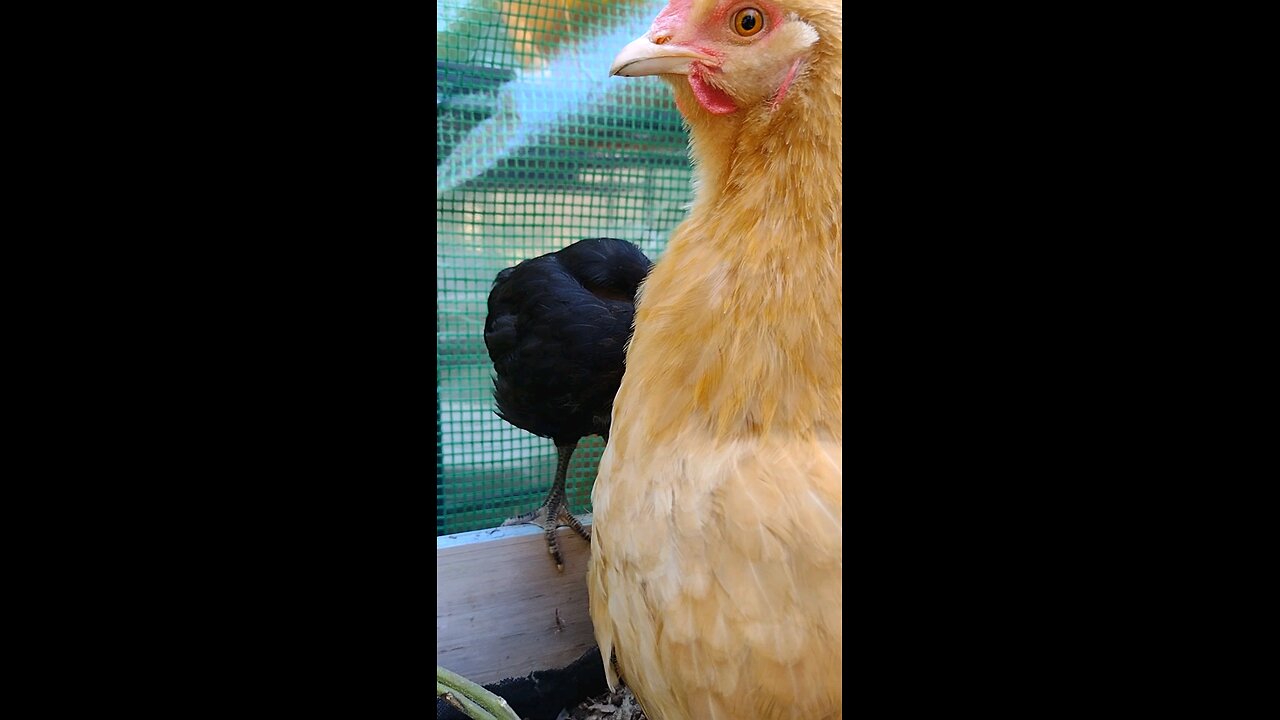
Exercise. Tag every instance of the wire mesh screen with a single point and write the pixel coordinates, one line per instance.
(536, 148)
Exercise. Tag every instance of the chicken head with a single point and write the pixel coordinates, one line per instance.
(724, 56)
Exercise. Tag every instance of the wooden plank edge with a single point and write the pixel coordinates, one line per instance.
(497, 533)
(502, 610)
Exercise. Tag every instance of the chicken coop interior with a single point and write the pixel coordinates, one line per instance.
(709, 574)
(537, 147)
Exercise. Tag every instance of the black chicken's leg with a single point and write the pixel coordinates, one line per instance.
(555, 510)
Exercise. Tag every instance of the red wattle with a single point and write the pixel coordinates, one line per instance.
(712, 99)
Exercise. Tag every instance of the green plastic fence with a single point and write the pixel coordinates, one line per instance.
(536, 148)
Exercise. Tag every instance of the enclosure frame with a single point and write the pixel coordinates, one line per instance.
(502, 608)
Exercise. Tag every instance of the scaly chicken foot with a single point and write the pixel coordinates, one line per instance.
(554, 512)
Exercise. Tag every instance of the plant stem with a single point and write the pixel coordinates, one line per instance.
(477, 703)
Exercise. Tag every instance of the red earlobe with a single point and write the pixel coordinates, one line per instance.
(711, 98)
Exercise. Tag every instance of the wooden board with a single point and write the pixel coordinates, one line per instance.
(498, 597)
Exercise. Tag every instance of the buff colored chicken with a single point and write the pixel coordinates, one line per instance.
(717, 566)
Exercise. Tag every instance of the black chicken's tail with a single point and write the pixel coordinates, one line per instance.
(502, 276)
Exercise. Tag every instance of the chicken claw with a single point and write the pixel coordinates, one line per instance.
(554, 512)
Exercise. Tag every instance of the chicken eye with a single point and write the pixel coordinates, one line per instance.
(747, 22)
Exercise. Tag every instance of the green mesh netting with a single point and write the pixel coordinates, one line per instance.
(536, 148)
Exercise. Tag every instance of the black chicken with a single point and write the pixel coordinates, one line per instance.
(557, 330)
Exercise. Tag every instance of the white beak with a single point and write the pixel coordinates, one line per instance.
(642, 57)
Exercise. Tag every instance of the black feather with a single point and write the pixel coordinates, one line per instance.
(556, 331)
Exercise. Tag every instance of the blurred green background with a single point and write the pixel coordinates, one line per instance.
(536, 148)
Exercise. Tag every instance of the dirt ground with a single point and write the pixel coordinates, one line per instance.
(621, 705)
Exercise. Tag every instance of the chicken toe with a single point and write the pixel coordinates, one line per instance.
(555, 512)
